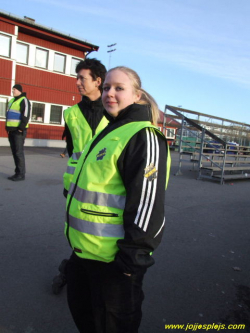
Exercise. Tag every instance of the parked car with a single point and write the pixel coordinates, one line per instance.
(215, 147)
(232, 148)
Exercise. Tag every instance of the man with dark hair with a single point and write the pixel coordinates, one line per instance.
(17, 118)
(97, 69)
(82, 122)
(85, 119)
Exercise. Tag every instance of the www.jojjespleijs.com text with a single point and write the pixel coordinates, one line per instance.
(205, 327)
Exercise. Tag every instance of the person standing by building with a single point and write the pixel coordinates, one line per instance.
(17, 119)
(115, 210)
(82, 122)
(85, 119)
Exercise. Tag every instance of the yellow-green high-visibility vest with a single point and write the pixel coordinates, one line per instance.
(96, 198)
(13, 115)
(81, 134)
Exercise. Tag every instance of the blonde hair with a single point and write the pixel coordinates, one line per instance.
(146, 98)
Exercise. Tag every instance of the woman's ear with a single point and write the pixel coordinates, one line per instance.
(138, 96)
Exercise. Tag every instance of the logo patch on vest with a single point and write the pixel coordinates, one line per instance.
(101, 154)
(150, 172)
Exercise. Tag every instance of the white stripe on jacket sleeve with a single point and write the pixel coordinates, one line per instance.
(149, 187)
(26, 108)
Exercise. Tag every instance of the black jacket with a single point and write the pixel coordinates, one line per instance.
(25, 114)
(143, 223)
(93, 112)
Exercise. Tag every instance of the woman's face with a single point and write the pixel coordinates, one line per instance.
(118, 92)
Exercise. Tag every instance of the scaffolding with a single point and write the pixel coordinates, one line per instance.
(225, 129)
(220, 147)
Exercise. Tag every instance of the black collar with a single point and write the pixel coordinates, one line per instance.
(22, 95)
(97, 102)
(133, 112)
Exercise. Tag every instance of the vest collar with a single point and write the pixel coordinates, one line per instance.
(133, 112)
(92, 104)
(22, 95)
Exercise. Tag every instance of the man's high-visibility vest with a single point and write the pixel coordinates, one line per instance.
(13, 115)
(81, 134)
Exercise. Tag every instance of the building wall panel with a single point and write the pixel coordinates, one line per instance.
(3, 133)
(49, 45)
(38, 131)
(45, 132)
(41, 85)
(5, 76)
(46, 86)
(7, 27)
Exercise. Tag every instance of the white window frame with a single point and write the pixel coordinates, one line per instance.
(27, 55)
(71, 65)
(171, 132)
(38, 120)
(47, 58)
(4, 101)
(10, 42)
(64, 65)
(56, 123)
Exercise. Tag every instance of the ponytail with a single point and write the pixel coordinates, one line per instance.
(146, 98)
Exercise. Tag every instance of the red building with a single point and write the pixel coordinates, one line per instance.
(43, 61)
(168, 127)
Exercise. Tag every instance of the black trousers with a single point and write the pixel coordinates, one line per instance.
(102, 299)
(16, 140)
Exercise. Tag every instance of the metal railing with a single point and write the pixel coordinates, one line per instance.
(201, 134)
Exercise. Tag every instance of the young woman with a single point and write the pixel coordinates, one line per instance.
(115, 210)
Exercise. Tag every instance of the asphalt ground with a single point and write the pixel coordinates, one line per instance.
(202, 270)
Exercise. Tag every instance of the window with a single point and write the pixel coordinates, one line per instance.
(55, 114)
(41, 58)
(3, 107)
(38, 112)
(5, 45)
(59, 63)
(170, 132)
(22, 51)
(74, 63)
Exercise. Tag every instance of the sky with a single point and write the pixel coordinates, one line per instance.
(189, 53)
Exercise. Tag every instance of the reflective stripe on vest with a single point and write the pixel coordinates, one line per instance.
(70, 171)
(97, 229)
(13, 115)
(97, 195)
(73, 160)
(81, 134)
(76, 156)
(98, 198)
(168, 166)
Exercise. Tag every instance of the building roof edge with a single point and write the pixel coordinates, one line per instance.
(29, 23)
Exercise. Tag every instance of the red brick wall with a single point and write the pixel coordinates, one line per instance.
(38, 131)
(47, 87)
(49, 45)
(7, 27)
(5, 76)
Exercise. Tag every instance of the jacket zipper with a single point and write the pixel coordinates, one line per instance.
(92, 212)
